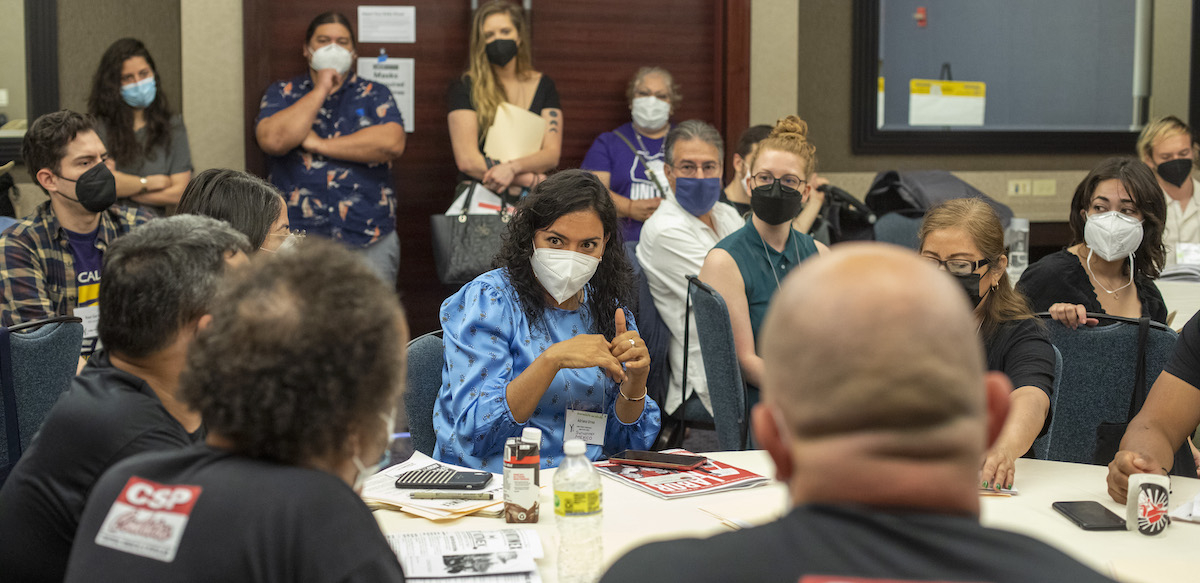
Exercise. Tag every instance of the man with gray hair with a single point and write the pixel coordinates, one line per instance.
(675, 240)
(158, 286)
(875, 410)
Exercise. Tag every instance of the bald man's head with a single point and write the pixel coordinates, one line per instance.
(868, 339)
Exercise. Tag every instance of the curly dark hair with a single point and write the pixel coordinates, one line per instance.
(561, 194)
(107, 106)
(304, 350)
(245, 201)
(1147, 196)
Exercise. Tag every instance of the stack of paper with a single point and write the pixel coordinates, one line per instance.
(712, 476)
(493, 556)
(380, 491)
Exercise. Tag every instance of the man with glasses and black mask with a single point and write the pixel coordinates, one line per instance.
(675, 240)
(1167, 147)
(50, 261)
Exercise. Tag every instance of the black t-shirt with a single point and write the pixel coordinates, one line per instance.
(1021, 349)
(106, 416)
(1059, 278)
(1185, 361)
(459, 97)
(211, 515)
(843, 541)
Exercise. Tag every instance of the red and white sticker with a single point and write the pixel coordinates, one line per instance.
(148, 519)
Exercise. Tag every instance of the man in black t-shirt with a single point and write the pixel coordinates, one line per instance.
(159, 281)
(877, 429)
(1170, 414)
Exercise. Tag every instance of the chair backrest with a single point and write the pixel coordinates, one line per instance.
(725, 385)
(39, 363)
(1098, 379)
(1041, 445)
(652, 330)
(898, 229)
(426, 357)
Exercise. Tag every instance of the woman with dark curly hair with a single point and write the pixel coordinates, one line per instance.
(545, 339)
(1116, 218)
(145, 139)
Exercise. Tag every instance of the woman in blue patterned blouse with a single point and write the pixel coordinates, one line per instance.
(545, 340)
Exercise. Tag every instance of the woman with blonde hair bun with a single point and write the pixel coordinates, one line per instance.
(747, 266)
(964, 238)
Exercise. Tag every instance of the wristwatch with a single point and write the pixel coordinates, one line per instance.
(143, 181)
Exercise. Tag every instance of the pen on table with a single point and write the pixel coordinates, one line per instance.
(451, 495)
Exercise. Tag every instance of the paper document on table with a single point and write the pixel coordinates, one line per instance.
(380, 491)
(712, 476)
(1189, 511)
(515, 133)
(487, 555)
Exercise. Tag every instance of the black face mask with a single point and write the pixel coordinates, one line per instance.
(970, 284)
(501, 51)
(95, 189)
(1176, 171)
(775, 203)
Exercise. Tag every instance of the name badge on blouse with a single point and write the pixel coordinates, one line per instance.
(587, 421)
(1188, 253)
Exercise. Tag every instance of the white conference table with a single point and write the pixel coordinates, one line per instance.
(1182, 297)
(632, 518)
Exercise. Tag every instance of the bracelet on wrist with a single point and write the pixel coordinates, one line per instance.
(627, 398)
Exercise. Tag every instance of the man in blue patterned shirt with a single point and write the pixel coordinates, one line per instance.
(331, 138)
(50, 261)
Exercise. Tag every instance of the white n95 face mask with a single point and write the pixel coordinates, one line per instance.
(331, 56)
(650, 113)
(562, 273)
(1112, 235)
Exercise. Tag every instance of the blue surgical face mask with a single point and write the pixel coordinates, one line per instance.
(141, 94)
(697, 195)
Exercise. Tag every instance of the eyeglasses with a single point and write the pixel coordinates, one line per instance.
(688, 170)
(958, 266)
(789, 180)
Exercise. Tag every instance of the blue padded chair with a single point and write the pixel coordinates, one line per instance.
(1098, 379)
(426, 357)
(898, 229)
(721, 367)
(652, 330)
(1041, 445)
(37, 362)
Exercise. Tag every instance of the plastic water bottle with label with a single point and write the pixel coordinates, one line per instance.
(1016, 238)
(577, 511)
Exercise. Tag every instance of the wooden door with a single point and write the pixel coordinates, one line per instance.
(589, 47)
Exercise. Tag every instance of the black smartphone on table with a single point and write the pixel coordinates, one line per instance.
(654, 459)
(1090, 515)
(443, 480)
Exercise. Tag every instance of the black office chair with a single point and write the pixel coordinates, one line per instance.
(1100, 390)
(726, 388)
(37, 362)
(426, 357)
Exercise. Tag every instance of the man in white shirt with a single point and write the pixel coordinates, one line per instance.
(1167, 147)
(674, 242)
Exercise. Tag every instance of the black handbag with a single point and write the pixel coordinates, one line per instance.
(1109, 435)
(464, 245)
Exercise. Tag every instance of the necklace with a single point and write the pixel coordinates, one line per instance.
(795, 246)
(1115, 295)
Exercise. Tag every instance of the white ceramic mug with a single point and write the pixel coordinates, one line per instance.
(1147, 503)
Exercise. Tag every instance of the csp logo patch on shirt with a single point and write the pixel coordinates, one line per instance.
(147, 519)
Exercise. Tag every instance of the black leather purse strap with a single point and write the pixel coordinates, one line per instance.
(466, 207)
(1139, 384)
